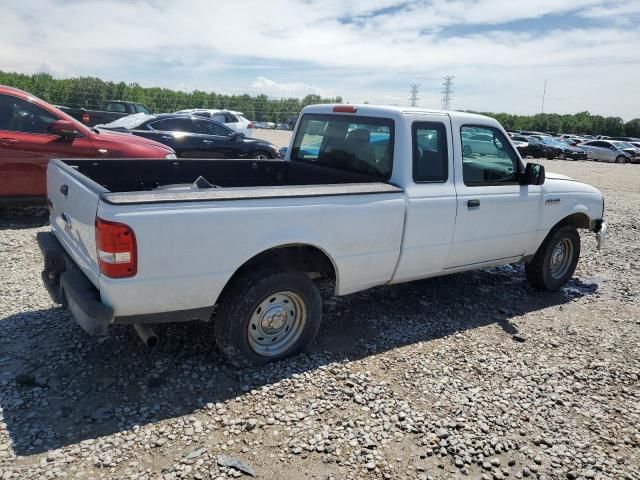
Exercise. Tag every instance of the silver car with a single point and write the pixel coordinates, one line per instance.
(607, 151)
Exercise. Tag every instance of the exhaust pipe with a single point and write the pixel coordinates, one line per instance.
(146, 334)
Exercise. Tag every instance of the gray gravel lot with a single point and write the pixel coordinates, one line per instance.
(473, 375)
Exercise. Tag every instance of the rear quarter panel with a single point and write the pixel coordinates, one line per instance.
(187, 252)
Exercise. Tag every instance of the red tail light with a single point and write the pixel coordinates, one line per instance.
(345, 109)
(85, 117)
(250, 125)
(116, 249)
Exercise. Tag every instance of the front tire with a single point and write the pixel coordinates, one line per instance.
(555, 261)
(267, 315)
(621, 159)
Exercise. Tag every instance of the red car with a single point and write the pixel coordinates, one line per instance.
(32, 132)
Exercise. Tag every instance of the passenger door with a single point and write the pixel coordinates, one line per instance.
(496, 217)
(430, 214)
(216, 140)
(598, 150)
(27, 144)
(176, 133)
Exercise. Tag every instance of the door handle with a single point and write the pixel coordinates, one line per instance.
(166, 137)
(64, 190)
(8, 141)
(473, 203)
(207, 141)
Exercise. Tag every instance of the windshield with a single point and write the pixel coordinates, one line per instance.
(358, 144)
(623, 144)
(129, 122)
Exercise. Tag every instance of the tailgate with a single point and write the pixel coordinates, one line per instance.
(73, 202)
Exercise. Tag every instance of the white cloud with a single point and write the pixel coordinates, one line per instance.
(288, 89)
(348, 48)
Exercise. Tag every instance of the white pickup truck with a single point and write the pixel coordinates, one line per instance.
(366, 196)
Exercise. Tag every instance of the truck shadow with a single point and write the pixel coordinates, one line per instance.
(60, 386)
(16, 218)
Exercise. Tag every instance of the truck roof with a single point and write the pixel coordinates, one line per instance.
(376, 110)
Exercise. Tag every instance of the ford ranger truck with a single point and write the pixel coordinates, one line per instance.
(365, 196)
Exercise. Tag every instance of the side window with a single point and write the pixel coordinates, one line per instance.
(218, 117)
(210, 128)
(488, 157)
(430, 158)
(173, 125)
(21, 116)
(116, 107)
(230, 118)
(142, 109)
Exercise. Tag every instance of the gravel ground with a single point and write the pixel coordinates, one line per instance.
(473, 375)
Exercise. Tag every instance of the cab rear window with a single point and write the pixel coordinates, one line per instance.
(348, 142)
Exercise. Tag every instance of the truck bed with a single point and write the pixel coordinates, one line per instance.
(132, 181)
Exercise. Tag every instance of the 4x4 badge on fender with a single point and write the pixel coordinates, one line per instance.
(552, 201)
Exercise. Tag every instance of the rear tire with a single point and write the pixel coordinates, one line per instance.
(555, 261)
(261, 155)
(267, 315)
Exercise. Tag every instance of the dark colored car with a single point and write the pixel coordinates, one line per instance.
(110, 111)
(537, 149)
(192, 136)
(565, 150)
(33, 131)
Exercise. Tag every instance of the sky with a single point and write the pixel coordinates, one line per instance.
(500, 51)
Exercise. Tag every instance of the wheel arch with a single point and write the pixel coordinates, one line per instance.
(310, 259)
(577, 219)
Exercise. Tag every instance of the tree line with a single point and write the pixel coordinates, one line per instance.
(582, 123)
(91, 92)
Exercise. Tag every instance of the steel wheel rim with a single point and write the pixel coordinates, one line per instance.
(276, 323)
(561, 258)
(261, 156)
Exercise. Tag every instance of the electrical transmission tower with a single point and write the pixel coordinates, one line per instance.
(447, 91)
(413, 99)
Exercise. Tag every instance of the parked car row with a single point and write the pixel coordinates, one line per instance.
(32, 132)
(572, 147)
(193, 136)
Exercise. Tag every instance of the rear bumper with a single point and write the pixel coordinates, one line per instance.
(67, 285)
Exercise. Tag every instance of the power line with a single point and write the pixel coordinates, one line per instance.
(413, 99)
(447, 91)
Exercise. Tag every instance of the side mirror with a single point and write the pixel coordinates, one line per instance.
(235, 135)
(64, 128)
(533, 174)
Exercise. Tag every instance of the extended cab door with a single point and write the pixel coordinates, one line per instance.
(430, 213)
(497, 217)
